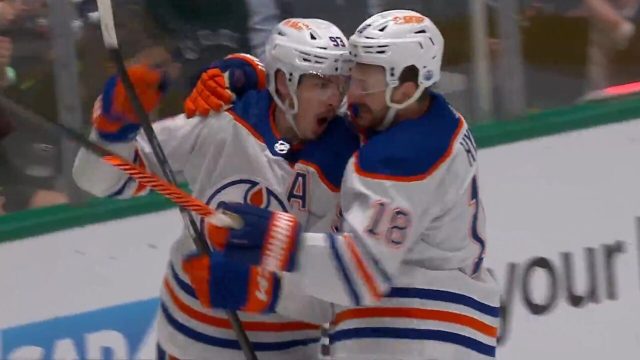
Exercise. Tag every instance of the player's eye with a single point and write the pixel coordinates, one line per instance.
(324, 84)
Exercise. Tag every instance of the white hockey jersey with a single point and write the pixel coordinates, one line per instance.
(236, 156)
(407, 267)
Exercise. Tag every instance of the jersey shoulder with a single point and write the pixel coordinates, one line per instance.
(251, 112)
(253, 107)
(330, 153)
(413, 149)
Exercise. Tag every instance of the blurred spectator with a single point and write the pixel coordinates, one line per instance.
(28, 155)
(345, 14)
(554, 45)
(184, 36)
(7, 74)
(9, 11)
(26, 181)
(200, 31)
(612, 39)
(263, 16)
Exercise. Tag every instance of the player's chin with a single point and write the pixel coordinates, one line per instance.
(363, 121)
(363, 118)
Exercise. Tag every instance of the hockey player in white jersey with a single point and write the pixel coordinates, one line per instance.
(268, 150)
(407, 269)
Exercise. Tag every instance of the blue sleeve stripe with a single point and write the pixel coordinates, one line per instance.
(121, 189)
(474, 228)
(107, 96)
(414, 334)
(374, 260)
(343, 269)
(445, 296)
(161, 354)
(183, 285)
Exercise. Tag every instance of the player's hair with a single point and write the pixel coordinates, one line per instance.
(410, 74)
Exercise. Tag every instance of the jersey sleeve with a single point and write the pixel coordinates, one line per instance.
(178, 137)
(296, 304)
(383, 218)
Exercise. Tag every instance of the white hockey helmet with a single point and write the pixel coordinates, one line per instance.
(304, 46)
(396, 39)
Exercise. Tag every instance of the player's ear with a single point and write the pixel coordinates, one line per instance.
(404, 92)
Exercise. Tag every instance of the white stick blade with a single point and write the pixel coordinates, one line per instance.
(107, 24)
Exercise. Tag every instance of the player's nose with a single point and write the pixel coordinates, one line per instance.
(333, 101)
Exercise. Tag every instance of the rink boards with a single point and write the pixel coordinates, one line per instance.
(563, 234)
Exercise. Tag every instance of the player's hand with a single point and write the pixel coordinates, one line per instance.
(225, 81)
(113, 114)
(222, 283)
(265, 238)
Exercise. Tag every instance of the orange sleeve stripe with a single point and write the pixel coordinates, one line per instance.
(272, 120)
(413, 178)
(101, 123)
(217, 236)
(321, 175)
(224, 323)
(244, 124)
(365, 274)
(420, 314)
(200, 265)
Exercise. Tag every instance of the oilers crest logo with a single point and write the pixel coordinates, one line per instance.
(246, 191)
(249, 192)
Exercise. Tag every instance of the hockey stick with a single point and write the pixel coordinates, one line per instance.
(111, 43)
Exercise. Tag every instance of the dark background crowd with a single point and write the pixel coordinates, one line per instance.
(52, 61)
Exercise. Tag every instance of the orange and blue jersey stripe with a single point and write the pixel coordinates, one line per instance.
(361, 273)
(477, 318)
(221, 324)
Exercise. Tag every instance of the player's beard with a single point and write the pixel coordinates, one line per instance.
(366, 119)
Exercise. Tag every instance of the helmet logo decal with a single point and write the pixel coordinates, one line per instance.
(296, 25)
(408, 19)
(428, 75)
